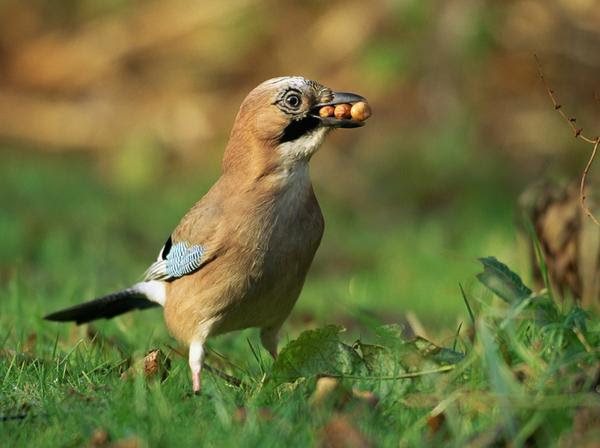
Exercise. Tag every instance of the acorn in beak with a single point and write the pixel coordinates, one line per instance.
(342, 110)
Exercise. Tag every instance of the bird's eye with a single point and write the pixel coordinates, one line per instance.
(293, 100)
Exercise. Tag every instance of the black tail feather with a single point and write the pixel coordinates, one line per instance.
(103, 307)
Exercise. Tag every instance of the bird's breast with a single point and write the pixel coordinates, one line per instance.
(286, 236)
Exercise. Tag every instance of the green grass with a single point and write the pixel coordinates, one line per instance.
(68, 233)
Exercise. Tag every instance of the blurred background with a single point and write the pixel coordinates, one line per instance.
(114, 115)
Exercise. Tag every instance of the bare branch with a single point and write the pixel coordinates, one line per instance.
(578, 133)
(582, 196)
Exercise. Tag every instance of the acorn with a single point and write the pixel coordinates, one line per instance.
(360, 111)
(342, 111)
(326, 111)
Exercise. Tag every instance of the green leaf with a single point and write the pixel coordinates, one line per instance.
(317, 352)
(394, 355)
(502, 281)
(368, 366)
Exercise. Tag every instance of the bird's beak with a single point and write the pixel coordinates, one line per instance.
(333, 100)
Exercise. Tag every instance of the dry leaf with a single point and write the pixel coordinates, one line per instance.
(570, 242)
(154, 365)
(324, 389)
(29, 344)
(330, 390)
(240, 414)
(366, 397)
(99, 438)
(435, 422)
(340, 432)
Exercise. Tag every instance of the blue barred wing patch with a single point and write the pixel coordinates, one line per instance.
(183, 259)
(180, 259)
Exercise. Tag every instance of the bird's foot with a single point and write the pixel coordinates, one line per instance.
(196, 383)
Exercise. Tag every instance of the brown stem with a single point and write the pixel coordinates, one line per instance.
(582, 196)
(578, 133)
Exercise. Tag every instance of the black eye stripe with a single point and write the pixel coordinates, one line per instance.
(298, 128)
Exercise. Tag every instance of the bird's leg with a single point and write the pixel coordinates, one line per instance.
(268, 337)
(196, 356)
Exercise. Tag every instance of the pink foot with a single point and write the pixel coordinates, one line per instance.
(196, 382)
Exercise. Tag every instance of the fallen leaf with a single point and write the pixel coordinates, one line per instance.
(99, 438)
(329, 390)
(240, 414)
(435, 422)
(154, 362)
(340, 432)
(325, 389)
(366, 397)
(316, 353)
(29, 344)
(154, 365)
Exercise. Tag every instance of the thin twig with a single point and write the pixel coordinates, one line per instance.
(578, 133)
(231, 380)
(402, 376)
(582, 196)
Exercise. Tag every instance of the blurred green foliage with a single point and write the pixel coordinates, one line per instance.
(113, 118)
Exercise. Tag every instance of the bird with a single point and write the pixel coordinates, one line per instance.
(239, 257)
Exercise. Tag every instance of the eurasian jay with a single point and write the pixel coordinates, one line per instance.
(239, 257)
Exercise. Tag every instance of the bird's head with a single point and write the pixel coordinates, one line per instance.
(279, 121)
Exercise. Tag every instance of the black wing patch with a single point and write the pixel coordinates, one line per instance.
(166, 248)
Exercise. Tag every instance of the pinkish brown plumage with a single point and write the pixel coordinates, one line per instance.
(239, 257)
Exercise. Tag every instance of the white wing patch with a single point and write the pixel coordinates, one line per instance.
(182, 259)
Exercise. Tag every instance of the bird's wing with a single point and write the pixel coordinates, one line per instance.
(194, 242)
(176, 260)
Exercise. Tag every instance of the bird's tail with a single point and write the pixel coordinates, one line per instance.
(104, 307)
